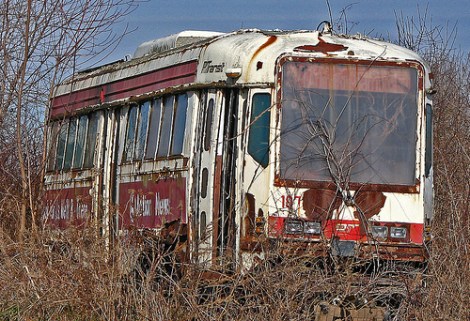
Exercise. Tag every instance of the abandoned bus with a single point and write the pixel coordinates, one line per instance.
(249, 140)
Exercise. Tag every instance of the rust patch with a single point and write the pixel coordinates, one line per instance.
(249, 219)
(280, 182)
(322, 46)
(405, 253)
(216, 204)
(370, 203)
(319, 204)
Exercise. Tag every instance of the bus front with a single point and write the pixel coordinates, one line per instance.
(350, 157)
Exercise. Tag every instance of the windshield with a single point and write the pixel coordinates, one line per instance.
(348, 123)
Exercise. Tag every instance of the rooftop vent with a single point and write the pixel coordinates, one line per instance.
(174, 41)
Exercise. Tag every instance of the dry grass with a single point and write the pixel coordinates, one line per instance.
(78, 279)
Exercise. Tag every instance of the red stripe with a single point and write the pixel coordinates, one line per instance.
(162, 78)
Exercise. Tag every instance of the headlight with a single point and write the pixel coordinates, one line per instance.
(398, 232)
(312, 228)
(379, 232)
(293, 227)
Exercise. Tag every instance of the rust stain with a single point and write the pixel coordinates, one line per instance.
(270, 41)
(319, 204)
(249, 220)
(322, 46)
(370, 203)
(280, 182)
(216, 204)
(394, 252)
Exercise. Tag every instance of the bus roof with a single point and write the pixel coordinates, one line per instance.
(201, 57)
(173, 41)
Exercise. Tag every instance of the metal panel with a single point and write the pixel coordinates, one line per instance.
(137, 85)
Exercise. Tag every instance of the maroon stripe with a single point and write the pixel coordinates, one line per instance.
(172, 76)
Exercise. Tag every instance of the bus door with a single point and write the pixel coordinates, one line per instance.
(109, 187)
(217, 145)
(226, 164)
(205, 228)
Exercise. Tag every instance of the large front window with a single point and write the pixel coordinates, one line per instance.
(348, 123)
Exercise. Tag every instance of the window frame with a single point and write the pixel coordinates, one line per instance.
(180, 113)
(130, 134)
(78, 157)
(61, 144)
(261, 115)
(155, 119)
(282, 181)
(166, 126)
(91, 137)
(141, 133)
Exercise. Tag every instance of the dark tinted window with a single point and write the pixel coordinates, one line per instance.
(181, 108)
(154, 128)
(428, 155)
(130, 134)
(80, 142)
(52, 146)
(204, 181)
(208, 125)
(70, 144)
(203, 223)
(258, 140)
(92, 134)
(61, 141)
(142, 130)
(167, 120)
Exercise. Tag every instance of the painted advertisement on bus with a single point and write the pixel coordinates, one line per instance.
(150, 204)
(67, 207)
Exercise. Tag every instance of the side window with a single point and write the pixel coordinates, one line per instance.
(167, 120)
(429, 143)
(70, 146)
(181, 108)
(154, 128)
(208, 125)
(204, 182)
(130, 134)
(258, 139)
(52, 146)
(92, 134)
(80, 142)
(142, 130)
(61, 141)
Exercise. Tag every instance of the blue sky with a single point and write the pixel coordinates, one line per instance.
(157, 18)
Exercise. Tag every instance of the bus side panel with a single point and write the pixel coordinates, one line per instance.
(65, 207)
(73, 195)
(150, 204)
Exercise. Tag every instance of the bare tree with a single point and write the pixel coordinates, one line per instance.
(447, 295)
(40, 44)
